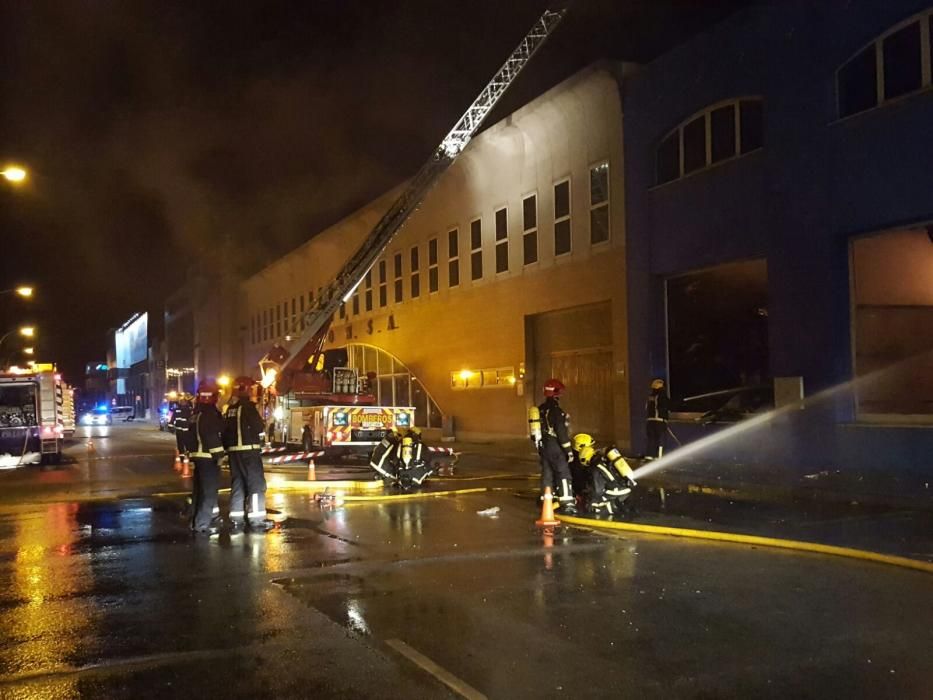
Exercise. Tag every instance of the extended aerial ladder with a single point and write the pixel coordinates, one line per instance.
(287, 367)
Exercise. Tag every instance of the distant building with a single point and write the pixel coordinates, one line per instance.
(778, 188)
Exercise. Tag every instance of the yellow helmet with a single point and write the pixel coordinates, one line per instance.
(581, 440)
(657, 384)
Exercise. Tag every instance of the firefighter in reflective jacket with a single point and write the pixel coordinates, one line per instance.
(412, 466)
(181, 416)
(242, 436)
(556, 450)
(382, 460)
(206, 448)
(610, 476)
(658, 411)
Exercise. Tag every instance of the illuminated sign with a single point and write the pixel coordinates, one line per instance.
(132, 341)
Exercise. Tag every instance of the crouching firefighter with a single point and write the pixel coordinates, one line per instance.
(242, 436)
(556, 451)
(383, 458)
(411, 467)
(205, 447)
(610, 477)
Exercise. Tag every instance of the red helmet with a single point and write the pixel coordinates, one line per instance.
(554, 387)
(207, 391)
(242, 385)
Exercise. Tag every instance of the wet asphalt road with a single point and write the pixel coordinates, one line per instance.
(104, 593)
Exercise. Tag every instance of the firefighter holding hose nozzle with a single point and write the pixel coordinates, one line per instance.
(610, 477)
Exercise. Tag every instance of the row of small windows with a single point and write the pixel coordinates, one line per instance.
(277, 322)
(718, 133)
(896, 64)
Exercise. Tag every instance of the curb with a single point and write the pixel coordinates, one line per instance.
(757, 540)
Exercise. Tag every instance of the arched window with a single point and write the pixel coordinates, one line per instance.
(395, 385)
(896, 64)
(721, 132)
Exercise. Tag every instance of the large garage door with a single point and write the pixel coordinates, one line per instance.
(575, 346)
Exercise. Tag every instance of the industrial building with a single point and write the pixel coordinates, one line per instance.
(512, 271)
(779, 229)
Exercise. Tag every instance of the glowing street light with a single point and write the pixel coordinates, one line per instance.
(223, 380)
(24, 291)
(14, 174)
(27, 331)
(29, 351)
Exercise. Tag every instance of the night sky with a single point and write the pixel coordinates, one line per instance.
(155, 130)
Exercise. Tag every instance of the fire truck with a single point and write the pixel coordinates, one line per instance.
(36, 414)
(313, 397)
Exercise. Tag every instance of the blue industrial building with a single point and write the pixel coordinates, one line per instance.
(779, 194)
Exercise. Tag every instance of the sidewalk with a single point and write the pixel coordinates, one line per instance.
(736, 481)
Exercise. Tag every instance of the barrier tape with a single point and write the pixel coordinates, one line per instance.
(298, 457)
(271, 450)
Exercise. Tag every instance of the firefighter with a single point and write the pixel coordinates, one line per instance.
(383, 458)
(610, 476)
(658, 411)
(556, 451)
(179, 422)
(413, 465)
(242, 438)
(206, 448)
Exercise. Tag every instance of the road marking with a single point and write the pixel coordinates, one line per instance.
(776, 542)
(442, 674)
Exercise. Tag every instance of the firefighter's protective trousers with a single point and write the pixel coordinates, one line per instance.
(555, 471)
(656, 429)
(204, 498)
(247, 486)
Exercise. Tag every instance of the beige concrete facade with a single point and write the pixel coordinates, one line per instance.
(482, 324)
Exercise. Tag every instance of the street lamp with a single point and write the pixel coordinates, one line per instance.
(26, 331)
(14, 174)
(24, 291)
(29, 351)
(223, 381)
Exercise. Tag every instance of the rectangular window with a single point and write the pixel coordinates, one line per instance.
(502, 240)
(453, 258)
(562, 234)
(369, 291)
(252, 330)
(668, 159)
(733, 299)
(383, 284)
(892, 312)
(398, 278)
(722, 133)
(432, 266)
(356, 304)
(278, 320)
(530, 229)
(343, 311)
(903, 62)
(476, 249)
(695, 145)
(415, 274)
(599, 203)
(751, 125)
(858, 83)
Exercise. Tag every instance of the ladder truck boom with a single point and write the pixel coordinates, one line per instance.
(281, 362)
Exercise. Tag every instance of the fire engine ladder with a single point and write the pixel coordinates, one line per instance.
(309, 340)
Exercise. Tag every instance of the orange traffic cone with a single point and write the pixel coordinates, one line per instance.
(185, 468)
(312, 474)
(547, 510)
(177, 466)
